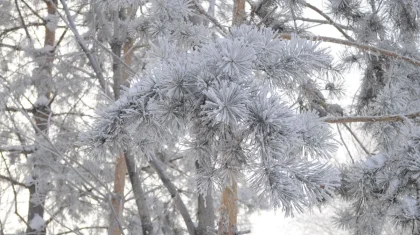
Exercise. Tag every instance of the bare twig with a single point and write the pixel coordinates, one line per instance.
(76, 230)
(344, 143)
(80, 41)
(13, 181)
(14, 192)
(114, 55)
(322, 22)
(14, 47)
(211, 18)
(34, 12)
(22, 21)
(267, 16)
(357, 139)
(330, 20)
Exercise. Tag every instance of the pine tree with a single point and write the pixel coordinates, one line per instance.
(208, 108)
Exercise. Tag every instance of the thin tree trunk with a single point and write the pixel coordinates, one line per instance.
(229, 208)
(205, 208)
(157, 166)
(141, 201)
(117, 201)
(205, 211)
(135, 176)
(42, 113)
(239, 14)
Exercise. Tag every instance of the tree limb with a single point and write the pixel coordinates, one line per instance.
(330, 20)
(174, 194)
(25, 149)
(389, 118)
(360, 46)
(322, 22)
(211, 18)
(13, 181)
(93, 62)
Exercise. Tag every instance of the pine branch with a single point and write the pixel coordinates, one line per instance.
(357, 139)
(24, 149)
(17, 48)
(14, 109)
(360, 46)
(330, 20)
(323, 22)
(13, 181)
(344, 143)
(34, 12)
(76, 230)
(211, 18)
(114, 55)
(390, 118)
(8, 30)
(14, 192)
(93, 62)
(22, 21)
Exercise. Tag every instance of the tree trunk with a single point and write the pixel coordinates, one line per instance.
(239, 14)
(229, 208)
(141, 201)
(117, 201)
(157, 166)
(205, 211)
(42, 111)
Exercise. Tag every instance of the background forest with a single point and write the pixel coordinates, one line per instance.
(187, 116)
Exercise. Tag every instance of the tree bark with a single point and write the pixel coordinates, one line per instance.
(141, 201)
(156, 164)
(117, 201)
(229, 208)
(239, 14)
(205, 211)
(42, 113)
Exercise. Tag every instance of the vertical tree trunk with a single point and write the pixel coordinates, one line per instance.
(239, 14)
(205, 207)
(118, 197)
(141, 202)
(157, 166)
(42, 111)
(117, 201)
(229, 208)
(205, 211)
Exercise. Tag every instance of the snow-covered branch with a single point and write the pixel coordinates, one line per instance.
(389, 118)
(13, 181)
(330, 20)
(360, 46)
(25, 149)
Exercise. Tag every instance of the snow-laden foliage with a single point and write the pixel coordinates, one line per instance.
(215, 105)
(383, 187)
(210, 101)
